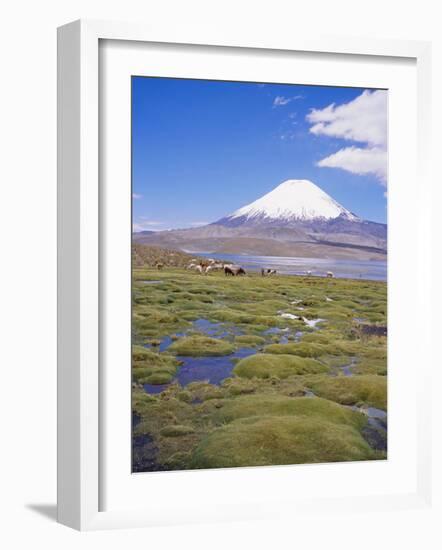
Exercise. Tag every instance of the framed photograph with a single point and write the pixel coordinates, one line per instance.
(239, 225)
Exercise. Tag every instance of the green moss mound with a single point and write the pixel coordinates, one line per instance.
(142, 357)
(231, 316)
(151, 316)
(203, 391)
(369, 390)
(259, 441)
(176, 431)
(249, 340)
(141, 354)
(266, 365)
(158, 378)
(149, 367)
(317, 338)
(316, 349)
(185, 396)
(303, 350)
(262, 307)
(335, 361)
(276, 405)
(369, 366)
(239, 386)
(201, 346)
(141, 401)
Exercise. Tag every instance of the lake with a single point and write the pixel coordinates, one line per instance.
(373, 270)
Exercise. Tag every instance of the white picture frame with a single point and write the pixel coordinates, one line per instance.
(79, 265)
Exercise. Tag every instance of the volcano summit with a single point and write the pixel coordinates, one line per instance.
(291, 201)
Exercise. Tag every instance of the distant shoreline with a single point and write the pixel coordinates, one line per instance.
(372, 270)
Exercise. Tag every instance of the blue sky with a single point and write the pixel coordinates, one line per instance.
(201, 149)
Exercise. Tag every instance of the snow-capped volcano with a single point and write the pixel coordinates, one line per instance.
(292, 200)
(297, 218)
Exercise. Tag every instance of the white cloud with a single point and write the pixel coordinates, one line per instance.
(371, 160)
(280, 100)
(197, 224)
(143, 225)
(363, 120)
(137, 196)
(287, 136)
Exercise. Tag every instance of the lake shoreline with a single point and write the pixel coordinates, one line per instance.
(370, 270)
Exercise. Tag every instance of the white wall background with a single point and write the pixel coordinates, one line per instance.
(28, 289)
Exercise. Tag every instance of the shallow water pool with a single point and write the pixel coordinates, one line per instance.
(198, 369)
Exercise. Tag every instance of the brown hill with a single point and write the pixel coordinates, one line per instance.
(149, 256)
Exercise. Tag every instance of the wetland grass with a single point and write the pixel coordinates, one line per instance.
(259, 414)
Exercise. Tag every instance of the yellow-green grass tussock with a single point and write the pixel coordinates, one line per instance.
(201, 346)
(264, 440)
(266, 365)
(367, 389)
